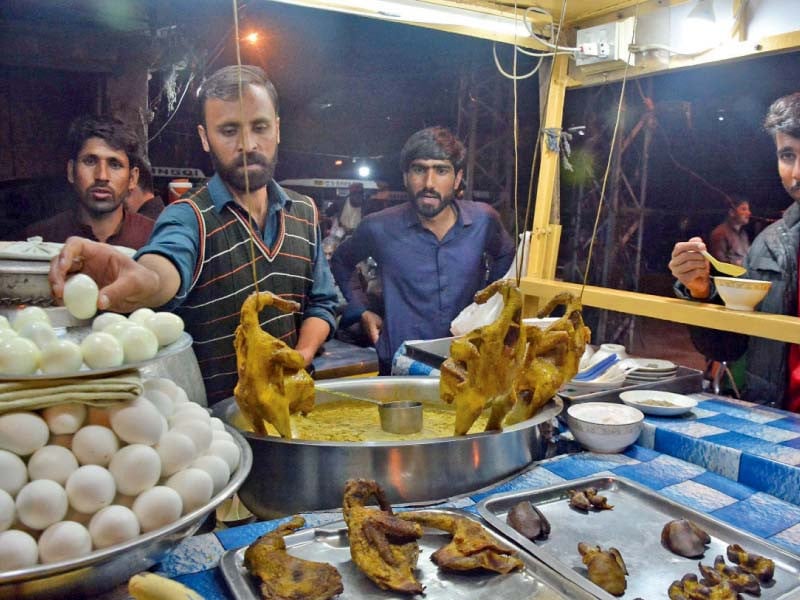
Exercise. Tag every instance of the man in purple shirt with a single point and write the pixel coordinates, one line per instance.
(434, 252)
(102, 172)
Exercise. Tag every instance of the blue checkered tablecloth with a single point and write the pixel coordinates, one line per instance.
(735, 461)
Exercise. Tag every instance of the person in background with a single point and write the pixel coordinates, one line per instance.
(773, 368)
(432, 251)
(729, 240)
(198, 261)
(348, 214)
(142, 198)
(102, 170)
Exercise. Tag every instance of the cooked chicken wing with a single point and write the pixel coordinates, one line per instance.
(606, 568)
(471, 547)
(382, 545)
(286, 577)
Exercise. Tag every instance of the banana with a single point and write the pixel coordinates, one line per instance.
(149, 586)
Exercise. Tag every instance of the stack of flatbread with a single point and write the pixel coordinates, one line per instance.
(94, 391)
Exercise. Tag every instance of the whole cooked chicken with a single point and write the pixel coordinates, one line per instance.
(551, 357)
(471, 547)
(272, 382)
(383, 546)
(483, 363)
(286, 577)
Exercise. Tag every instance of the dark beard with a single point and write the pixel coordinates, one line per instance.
(233, 174)
(430, 212)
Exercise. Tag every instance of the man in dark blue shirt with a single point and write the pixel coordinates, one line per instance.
(432, 251)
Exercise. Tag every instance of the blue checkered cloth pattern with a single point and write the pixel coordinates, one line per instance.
(735, 461)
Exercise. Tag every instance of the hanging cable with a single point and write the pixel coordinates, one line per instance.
(509, 75)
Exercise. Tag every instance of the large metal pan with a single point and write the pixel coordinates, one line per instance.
(291, 476)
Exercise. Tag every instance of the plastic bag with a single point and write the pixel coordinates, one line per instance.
(477, 315)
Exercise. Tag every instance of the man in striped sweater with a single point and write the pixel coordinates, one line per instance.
(208, 247)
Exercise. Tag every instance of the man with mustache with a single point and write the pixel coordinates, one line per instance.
(772, 368)
(434, 252)
(102, 170)
(198, 261)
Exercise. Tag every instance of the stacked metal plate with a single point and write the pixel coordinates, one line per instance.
(651, 369)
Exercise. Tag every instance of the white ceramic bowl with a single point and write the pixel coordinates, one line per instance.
(604, 426)
(741, 294)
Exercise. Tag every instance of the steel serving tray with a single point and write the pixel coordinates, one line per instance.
(330, 544)
(634, 528)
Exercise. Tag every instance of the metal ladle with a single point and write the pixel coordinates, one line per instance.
(397, 416)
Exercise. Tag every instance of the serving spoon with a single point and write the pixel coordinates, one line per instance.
(723, 267)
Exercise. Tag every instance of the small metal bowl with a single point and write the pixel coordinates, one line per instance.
(401, 417)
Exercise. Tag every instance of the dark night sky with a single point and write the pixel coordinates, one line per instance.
(358, 87)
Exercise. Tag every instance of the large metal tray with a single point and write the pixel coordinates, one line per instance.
(330, 544)
(634, 528)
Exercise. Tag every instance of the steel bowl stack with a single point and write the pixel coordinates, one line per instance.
(291, 476)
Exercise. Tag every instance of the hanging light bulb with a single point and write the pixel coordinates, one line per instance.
(701, 30)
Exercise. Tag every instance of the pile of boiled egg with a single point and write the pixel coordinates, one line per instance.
(30, 345)
(74, 479)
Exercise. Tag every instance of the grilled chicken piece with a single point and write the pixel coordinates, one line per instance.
(471, 547)
(383, 546)
(760, 566)
(286, 577)
(738, 579)
(689, 588)
(588, 499)
(273, 382)
(606, 568)
(684, 538)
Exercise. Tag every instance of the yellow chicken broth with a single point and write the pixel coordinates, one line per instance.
(353, 421)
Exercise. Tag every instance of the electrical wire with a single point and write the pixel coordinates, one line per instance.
(174, 112)
(510, 75)
(542, 40)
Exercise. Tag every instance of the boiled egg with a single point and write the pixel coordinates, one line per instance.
(41, 503)
(135, 468)
(157, 507)
(216, 467)
(90, 488)
(105, 319)
(176, 451)
(39, 332)
(28, 315)
(13, 474)
(140, 315)
(199, 431)
(61, 356)
(113, 525)
(4, 324)
(137, 421)
(227, 451)
(18, 356)
(194, 486)
(65, 418)
(101, 350)
(117, 327)
(167, 326)
(63, 541)
(23, 432)
(52, 462)
(94, 445)
(138, 344)
(80, 296)
(17, 550)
